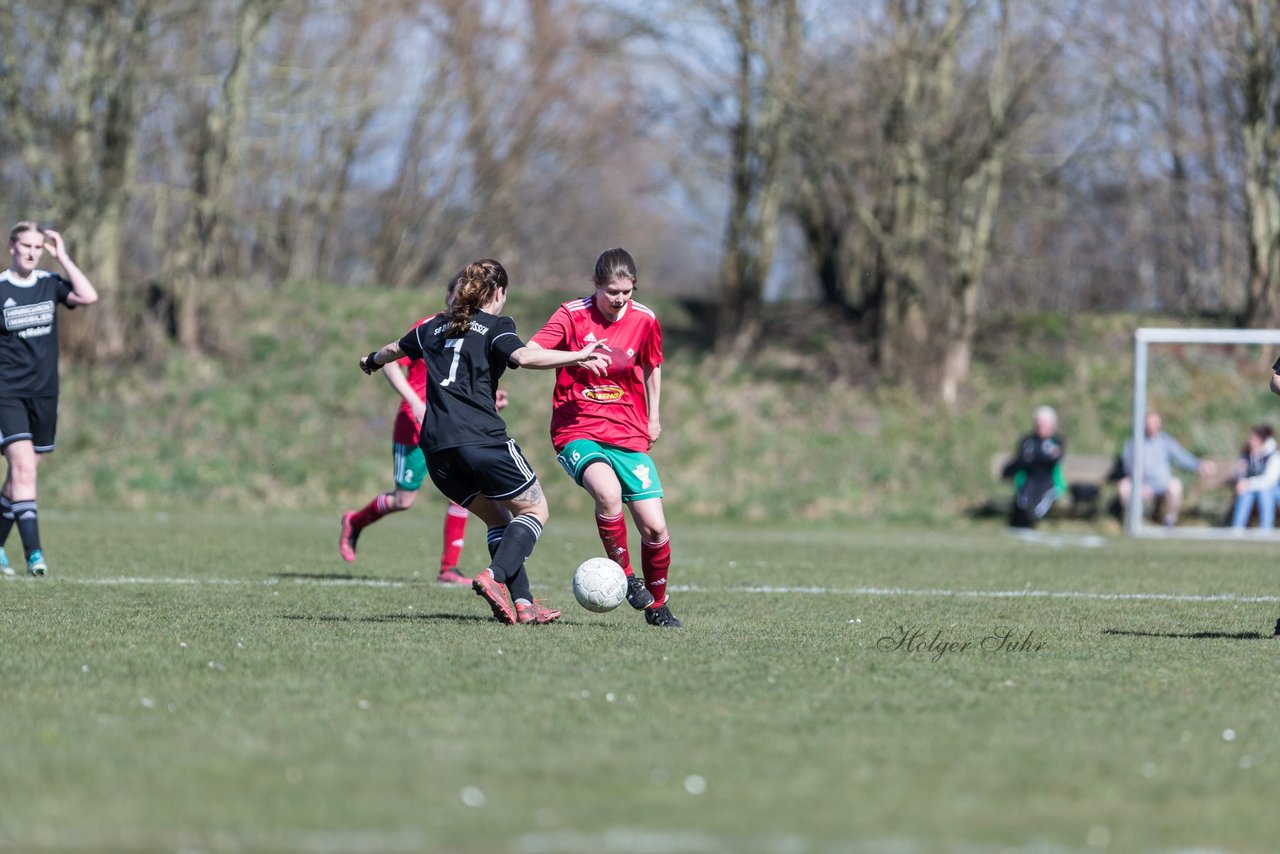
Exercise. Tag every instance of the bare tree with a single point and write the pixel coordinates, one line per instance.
(903, 155)
(71, 108)
(1253, 42)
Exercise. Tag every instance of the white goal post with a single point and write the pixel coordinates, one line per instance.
(1142, 339)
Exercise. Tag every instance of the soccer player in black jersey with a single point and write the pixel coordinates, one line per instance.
(470, 457)
(29, 299)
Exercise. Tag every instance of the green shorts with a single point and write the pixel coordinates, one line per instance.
(635, 469)
(410, 466)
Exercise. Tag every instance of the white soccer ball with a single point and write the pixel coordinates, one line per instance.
(599, 584)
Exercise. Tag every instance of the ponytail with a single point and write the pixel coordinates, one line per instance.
(478, 283)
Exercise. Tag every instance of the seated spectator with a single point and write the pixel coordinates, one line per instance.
(1160, 453)
(1257, 476)
(1036, 469)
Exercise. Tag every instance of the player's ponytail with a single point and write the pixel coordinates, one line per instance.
(478, 284)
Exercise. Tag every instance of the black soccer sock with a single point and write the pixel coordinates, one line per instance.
(28, 528)
(516, 544)
(518, 586)
(494, 537)
(519, 580)
(6, 518)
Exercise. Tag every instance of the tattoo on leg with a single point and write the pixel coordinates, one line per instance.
(532, 495)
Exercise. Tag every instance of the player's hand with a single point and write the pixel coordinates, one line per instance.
(593, 359)
(54, 244)
(499, 399)
(369, 365)
(419, 411)
(655, 430)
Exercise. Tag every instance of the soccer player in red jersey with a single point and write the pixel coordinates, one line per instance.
(409, 379)
(602, 427)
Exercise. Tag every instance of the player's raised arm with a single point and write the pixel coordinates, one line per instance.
(82, 290)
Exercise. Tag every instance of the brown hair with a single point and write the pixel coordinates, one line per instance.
(23, 227)
(453, 284)
(615, 264)
(479, 283)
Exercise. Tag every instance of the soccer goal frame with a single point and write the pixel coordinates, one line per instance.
(1143, 338)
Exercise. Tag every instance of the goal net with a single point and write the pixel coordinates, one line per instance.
(1135, 521)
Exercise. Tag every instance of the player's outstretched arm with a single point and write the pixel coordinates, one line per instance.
(383, 356)
(590, 357)
(1275, 383)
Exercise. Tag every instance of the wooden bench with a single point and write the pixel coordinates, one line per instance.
(1087, 476)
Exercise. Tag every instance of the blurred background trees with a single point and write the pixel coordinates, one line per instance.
(898, 168)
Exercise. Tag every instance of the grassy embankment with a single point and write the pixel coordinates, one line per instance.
(283, 418)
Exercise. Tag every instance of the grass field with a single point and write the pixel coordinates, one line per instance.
(222, 682)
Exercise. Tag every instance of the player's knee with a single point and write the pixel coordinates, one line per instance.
(541, 512)
(22, 473)
(401, 500)
(609, 508)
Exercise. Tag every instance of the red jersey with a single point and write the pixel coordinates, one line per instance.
(614, 408)
(405, 430)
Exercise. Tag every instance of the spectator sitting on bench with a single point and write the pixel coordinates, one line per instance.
(1160, 453)
(1257, 474)
(1036, 469)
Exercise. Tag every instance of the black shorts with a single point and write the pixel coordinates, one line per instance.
(497, 472)
(31, 418)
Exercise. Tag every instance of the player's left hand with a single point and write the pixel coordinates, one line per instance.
(500, 399)
(655, 430)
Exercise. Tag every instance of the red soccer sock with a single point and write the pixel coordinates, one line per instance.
(372, 512)
(455, 533)
(655, 560)
(613, 536)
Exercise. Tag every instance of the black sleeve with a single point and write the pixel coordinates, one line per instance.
(1014, 465)
(1276, 366)
(505, 341)
(64, 290)
(410, 344)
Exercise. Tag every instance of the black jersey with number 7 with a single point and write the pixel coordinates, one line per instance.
(462, 379)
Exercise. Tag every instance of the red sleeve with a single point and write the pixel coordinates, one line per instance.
(554, 334)
(652, 355)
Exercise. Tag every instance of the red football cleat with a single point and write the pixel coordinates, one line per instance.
(495, 594)
(347, 539)
(452, 576)
(535, 613)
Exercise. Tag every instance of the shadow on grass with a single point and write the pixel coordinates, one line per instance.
(335, 577)
(1190, 635)
(388, 618)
